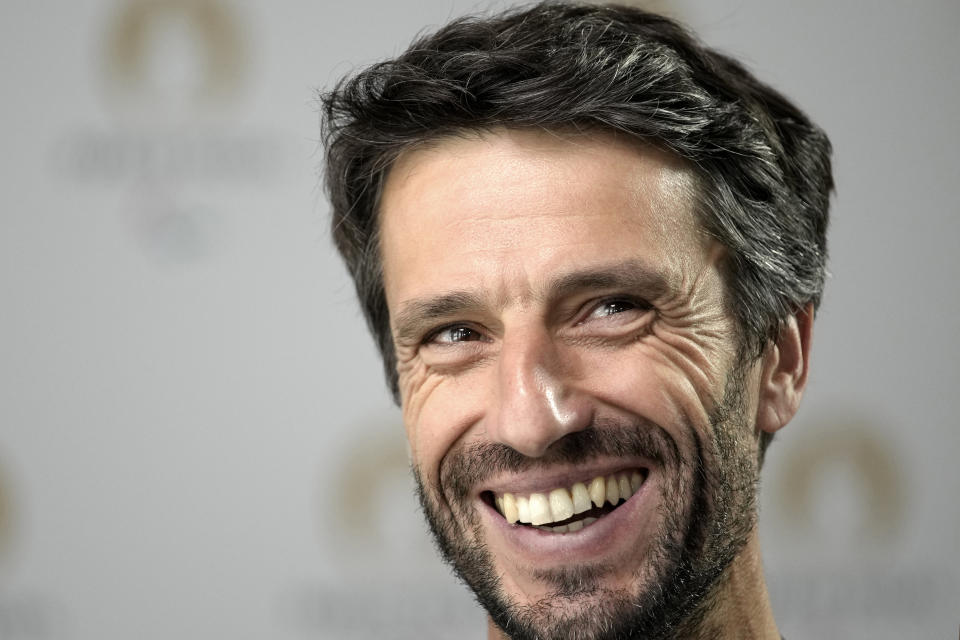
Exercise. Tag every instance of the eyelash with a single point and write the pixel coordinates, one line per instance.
(431, 338)
(633, 304)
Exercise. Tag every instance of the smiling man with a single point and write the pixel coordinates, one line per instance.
(590, 250)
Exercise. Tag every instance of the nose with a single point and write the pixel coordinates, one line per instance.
(536, 403)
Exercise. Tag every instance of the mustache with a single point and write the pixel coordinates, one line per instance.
(474, 463)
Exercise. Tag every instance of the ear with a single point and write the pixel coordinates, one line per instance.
(783, 376)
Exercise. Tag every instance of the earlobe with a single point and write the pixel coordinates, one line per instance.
(784, 374)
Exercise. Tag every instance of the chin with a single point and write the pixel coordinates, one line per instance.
(651, 562)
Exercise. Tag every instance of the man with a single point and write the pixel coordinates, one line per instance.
(590, 250)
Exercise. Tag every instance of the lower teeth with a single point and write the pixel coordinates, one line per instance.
(569, 528)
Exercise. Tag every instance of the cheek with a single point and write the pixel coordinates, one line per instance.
(695, 334)
(643, 383)
(670, 376)
(697, 360)
(437, 412)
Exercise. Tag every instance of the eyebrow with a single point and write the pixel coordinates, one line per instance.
(418, 315)
(630, 275)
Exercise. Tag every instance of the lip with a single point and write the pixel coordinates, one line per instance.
(612, 534)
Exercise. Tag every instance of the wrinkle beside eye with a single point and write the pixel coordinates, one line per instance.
(611, 321)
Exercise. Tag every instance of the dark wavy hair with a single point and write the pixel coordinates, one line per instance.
(763, 167)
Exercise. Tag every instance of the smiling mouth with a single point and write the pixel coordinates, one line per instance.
(568, 509)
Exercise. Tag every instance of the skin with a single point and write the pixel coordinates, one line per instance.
(540, 283)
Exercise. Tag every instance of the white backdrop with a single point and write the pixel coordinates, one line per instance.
(195, 440)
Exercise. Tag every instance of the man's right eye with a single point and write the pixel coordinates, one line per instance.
(453, 334)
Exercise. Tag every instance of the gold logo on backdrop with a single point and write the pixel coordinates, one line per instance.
(215, 36)
(171, 72)
(858, 449)
(372, 464)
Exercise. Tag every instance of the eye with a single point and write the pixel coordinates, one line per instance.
(612, 307)
(453, 334)
(616, 309)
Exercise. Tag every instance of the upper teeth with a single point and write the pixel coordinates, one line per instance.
(562, 503)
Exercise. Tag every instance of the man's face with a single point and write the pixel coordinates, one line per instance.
(565, 359)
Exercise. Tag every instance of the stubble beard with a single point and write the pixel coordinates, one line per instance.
(708, 508)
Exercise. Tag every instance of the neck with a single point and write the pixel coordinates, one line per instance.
(741, 605)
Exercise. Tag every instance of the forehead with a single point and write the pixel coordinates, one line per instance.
(513, 206)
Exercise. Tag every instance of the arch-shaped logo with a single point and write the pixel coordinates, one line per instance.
(212, 29)
(368, 468)
(369, 510)
(870, 472)
(371, 465)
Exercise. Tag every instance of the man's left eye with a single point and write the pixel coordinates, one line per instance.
(613, 307)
